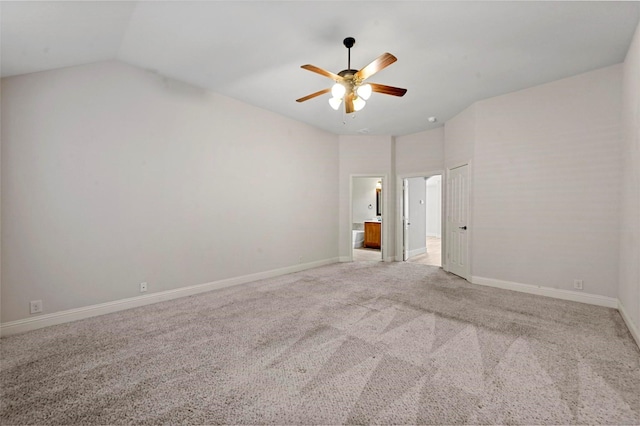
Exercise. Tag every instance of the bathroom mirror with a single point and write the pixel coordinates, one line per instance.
(378, 202)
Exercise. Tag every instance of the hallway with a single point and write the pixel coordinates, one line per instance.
(433, 256)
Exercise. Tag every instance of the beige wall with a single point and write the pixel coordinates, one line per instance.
(459, 138)
(545, 182)
(546, 186)
(366, 156)
(420, 152)
(112, 176)
(629, 264)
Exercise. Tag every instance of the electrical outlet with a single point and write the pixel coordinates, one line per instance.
(35, 306)
(577, 284)
(143, 287)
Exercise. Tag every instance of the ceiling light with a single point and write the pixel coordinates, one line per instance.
(335, 103)
(364, 91)
(349, 82)
(358, 103)
(338, 91)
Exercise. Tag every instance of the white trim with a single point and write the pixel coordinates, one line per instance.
(633, 329)
(417, 251)
(346, 258)
(28, 324)
(575, 296)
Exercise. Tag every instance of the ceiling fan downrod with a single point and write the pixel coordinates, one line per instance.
(348, 43)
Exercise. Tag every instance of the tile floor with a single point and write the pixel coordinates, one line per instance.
(366, 254)
(431, 257)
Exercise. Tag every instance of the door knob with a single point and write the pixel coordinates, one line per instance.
(463, 227)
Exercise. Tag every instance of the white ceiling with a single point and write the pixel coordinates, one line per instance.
(450, 54)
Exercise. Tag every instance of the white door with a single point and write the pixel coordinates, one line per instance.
(405, 219)
(457, 221)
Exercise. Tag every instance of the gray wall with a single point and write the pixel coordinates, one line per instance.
(364, 195)
(545, 188)
(629, 262)
(417, 216)
(434, 206)
(420, 152)
(112, 176)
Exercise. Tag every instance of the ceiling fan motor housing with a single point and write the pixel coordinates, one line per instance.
(347, 73)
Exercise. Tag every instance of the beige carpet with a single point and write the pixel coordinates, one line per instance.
(347, 343)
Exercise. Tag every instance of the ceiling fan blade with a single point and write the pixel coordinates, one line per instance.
(378, 64)
(387, 90)
(313, 95)
(320, 71)
(348, 103)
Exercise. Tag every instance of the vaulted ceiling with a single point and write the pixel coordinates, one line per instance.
(450, 54)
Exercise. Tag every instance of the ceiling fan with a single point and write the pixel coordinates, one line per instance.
(350, 85)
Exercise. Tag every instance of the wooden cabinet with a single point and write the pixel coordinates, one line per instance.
(372, 234)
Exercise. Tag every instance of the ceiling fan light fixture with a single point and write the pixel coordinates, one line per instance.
(338, 91)
(364, 91)
(358, 103)
(348, 83)
(335, 103)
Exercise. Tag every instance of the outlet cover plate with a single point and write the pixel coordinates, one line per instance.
(35, 306)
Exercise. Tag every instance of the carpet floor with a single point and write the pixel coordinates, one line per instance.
(383, 343)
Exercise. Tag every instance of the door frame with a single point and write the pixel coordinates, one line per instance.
(384, 237)
(399, 206)
(445, 191)
(404, 212)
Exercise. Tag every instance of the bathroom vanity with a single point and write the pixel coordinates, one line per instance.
(372, 234)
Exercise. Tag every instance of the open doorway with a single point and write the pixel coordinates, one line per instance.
(366, 217)
(422, 219)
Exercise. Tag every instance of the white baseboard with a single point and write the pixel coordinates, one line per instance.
(344, 259)
(417, 251)
(633, 328)
(28, 324)
(575, 296)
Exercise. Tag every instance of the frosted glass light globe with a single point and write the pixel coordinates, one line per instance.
(364, 91)
(358, 103)
(335, 103)
(338, 90)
